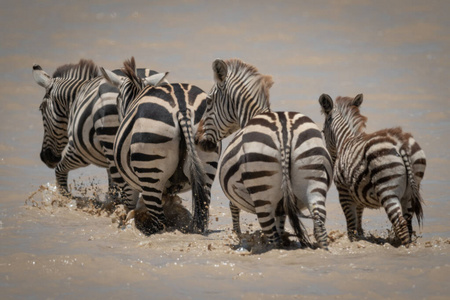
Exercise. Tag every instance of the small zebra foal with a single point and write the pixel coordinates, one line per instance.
(277, 163)
(382, 169)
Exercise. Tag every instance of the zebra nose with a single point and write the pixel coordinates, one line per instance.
(49, 158)
(207, 145)
(199, 135)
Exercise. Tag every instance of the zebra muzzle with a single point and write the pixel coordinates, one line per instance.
(206, 144)
(49, 158)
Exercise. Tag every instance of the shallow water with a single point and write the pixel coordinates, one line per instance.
(394, 53)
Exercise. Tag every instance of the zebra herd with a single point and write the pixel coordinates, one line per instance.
(157, 138)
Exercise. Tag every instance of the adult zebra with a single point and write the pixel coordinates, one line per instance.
(277, 163)
(80, 120)
(382, 169)
(154, 149)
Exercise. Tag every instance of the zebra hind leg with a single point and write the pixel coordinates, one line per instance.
(359, 214)
(113, 189)
(284, 236)
(393, 209)
(152, 219)
(349, 208)
(235, 212)
(320, 232)
(408, 214)
(268, 225)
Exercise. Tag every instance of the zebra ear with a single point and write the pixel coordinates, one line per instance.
(156, 79)
(112, 78)
(220, 70)
(326, 103)
(358, 100)
(41, 77)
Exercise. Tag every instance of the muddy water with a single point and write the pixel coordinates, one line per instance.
(396, 53)
(56, 250)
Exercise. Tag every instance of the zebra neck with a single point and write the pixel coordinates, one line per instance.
(129, 96)
(347, 135)
(250, 109)
(68, 103)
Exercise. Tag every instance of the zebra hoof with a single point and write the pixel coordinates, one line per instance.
(199, 227)
(65, 193)
(148, 224)
(407, 243)
(323, 244)
(352, 236)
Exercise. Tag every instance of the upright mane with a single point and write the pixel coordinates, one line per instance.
(250, 76)
(84, 70)
(129, 69)
(351, 114)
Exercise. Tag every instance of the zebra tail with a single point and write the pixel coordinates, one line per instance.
(289, 200)
(200, 199)
(416, 199)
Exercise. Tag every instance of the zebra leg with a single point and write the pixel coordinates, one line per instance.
(320, 232)
(152, 219)
(129, 196)
(393, 209)
(113, 188)
(280, 221)
(61, 182)
(266, 218)
(349, 208)
(408, 214)
(359, 214)
(69, 162)
(235, 211)
(209, 163)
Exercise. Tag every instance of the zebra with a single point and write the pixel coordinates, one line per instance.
(380, 169)
(80, 120)
(276, 164)
(154, 149)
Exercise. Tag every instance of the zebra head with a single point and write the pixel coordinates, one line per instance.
(54, 119)
(341, 120)
(60, 91)
(130, 85)
(239, 93)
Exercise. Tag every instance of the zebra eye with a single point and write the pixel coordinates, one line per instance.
(209, 100)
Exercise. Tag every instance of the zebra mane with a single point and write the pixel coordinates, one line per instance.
(129, 69)
(351, 114)
(245, 72)
(85, 69)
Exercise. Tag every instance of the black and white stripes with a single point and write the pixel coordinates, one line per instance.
(382, 169)
(80, 119)
(154, 148)
(277, 163)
